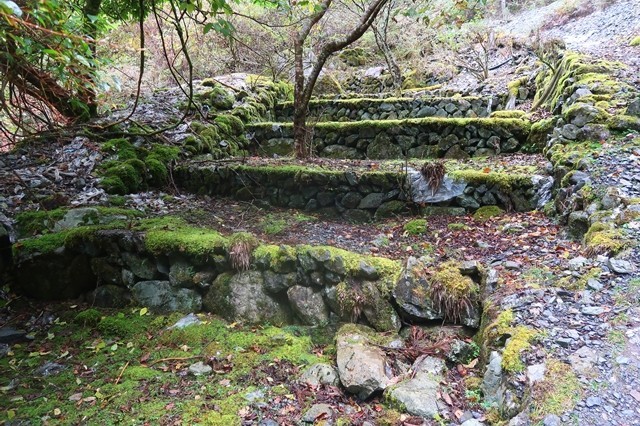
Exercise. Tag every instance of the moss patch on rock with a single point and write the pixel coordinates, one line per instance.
(416, 227)
(487, 212)
(129, 168)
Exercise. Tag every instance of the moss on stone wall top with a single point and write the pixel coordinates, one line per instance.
(505, 181)
(29, 223)
(511, 124)
(359, 102)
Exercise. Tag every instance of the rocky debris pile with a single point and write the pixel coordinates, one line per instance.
(49, 176)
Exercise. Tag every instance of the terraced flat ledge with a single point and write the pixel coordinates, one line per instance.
(362, 191)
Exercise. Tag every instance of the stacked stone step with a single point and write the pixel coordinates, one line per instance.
(454, 128)
(392, 108)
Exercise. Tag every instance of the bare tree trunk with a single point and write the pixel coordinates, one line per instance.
(90, 12)
(299, 107)
(380, 33)
(304, 86)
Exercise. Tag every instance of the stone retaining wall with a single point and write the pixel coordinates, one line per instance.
(283, 285)
(392, 108)
(357, 197)
(395, 139)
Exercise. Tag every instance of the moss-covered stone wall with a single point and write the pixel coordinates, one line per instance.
(355, 196)
(392, 108)
(394, 139)
(167, 265)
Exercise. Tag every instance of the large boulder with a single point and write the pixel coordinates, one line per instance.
(383, 148)
(421, 193)
(456, 284)
(308, 305)
(242, 297)
(419, 394)
(410, 293)
(362, 366)
(161, 296)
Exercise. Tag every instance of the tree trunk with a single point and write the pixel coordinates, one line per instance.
(91, 11)
(299, 105)
(303, 87)
(38, 84)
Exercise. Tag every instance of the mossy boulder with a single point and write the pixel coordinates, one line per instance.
(447, 291)
(162, 297)
(243, 298)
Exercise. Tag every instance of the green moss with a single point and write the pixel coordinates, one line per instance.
(416, 227)
(520, 340)
(557, 393)
(623, 123)
(230, 124)
(88, 317)
(508, 114)
(121, 148)
(157, 172)
(44, 244)
(458, 227)
(278, 258)
(487, 212)
(35, 222)
(273, 225)
(127, 174)
(603, 238)
(120, 326)
(516, 126)
(140, 372)
(114, 185)
(635, 41)
(505, 181)
(178, 238)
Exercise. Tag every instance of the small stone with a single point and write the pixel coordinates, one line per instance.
(510, 264)
(535, 373)
(593, 401)
(50, 369)
(472, 422)
(253, 396)
(320, 374)
(577, 263)
(564, 342)
(186, 321)
(594, 284)
(324, 411)
(573, 334)
(4, 350)
(621, 266)
(552, 420)
(200, 369)
(593, 310)
(12, 335)
(622, 360)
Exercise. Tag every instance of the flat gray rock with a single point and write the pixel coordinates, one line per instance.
(419, 395)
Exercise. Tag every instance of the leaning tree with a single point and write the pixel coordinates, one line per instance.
(304, 84)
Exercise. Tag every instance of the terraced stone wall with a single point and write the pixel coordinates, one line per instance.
(191, 269)
(392, 108)
(395, 139)
(356, 197)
